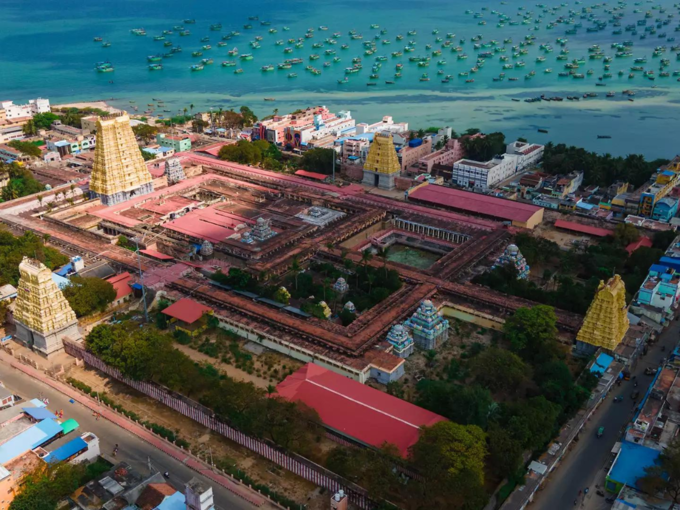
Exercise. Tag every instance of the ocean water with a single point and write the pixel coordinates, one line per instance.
(47, 49)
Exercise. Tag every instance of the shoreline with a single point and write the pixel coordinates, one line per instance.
(99, 104)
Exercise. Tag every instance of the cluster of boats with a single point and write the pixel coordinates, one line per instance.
(513, 58)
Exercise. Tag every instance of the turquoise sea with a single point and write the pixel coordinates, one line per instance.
(47, 49)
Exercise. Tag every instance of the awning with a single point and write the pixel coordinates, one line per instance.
(69, 426)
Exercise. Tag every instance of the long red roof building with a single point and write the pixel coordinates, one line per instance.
(357, 411)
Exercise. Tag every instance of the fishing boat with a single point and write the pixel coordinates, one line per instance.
(238, 71)
(246, 56)
(206, 61)
(138, 31)
(207, 47)
(314, 56)
(228, 63)
(104, 67)
(216, 27)
(190, 21)
(155, 67)
(292, 75)
(267, 68)
(221, 44)
(343, 81)
(98, 39)
(154, 58)
(185, 33)
(205, 39)
(284, 65)
(196, 67)
(196, 53)
(106, 45)
(159, 38)
(176, 49)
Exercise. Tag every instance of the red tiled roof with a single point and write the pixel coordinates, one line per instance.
(311, 175)
(213, 149)
(120, 282)
(153, 495)
(186, 310)
(156, 254)
(643, 241)
(583, 229)
(474, 203)
(355, 410)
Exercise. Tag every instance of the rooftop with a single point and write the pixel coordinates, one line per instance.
(583, 229)
(186, 310)
(474, 203)
(631, 462)
(355, 410)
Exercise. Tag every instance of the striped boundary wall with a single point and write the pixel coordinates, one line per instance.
(294, 463)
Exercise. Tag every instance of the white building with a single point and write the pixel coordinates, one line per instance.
(482, 176)
(13, 111)
(398, 130)
(530, 154)
(343, 123)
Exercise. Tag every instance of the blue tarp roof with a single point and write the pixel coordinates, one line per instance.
(29, 439)
(174, 502)
(66, 451)
(38, 413)
(659, 268)
(631, 463)
(64, 270)
(670, 262)
(601, 363)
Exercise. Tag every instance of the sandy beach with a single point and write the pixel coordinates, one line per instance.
(102, 105)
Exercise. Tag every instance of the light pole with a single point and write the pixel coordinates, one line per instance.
(141, 278)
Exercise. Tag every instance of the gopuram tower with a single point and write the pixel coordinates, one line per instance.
(382, 163)
(43, 316)
(119, 171)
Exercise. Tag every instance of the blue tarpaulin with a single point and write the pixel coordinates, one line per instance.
(66, 451)
(38, 413)
(601, 363)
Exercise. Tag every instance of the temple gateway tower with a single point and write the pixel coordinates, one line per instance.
(43, 316)
(119, 171)
(382, 163)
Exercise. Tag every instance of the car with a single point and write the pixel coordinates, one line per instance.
(600, 432)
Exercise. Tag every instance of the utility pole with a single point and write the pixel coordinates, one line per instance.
(141, 279)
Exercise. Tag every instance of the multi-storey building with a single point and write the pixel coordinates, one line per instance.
(14, 111)
(414, 151)
(483, 175)
(530, 154)
(665, 180)
(180, 143)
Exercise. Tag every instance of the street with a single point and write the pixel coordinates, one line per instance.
(588, 461)
(135, 451)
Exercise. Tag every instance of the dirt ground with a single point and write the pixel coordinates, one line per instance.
(565, 240)
(205, 442)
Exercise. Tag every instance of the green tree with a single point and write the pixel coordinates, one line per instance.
(146, 132)
(249, 118)
(447, 450)
(485, 147)
(318, 160)
(26, 148)
(30, 129)
(625, 233)
(89, 295)
(663, 239)
(664, 476)
(44, 120)
(468, 405)
(296, 268)
(505, 451)
(532, 332)
(499, 369)
(147, 156)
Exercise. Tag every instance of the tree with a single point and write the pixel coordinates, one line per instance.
(26, 148)
(44, 488)
(318, 160)
(146, 155)
(89, 295)
(484, 148)
(296, 269)
(625, 233)
(199, 125)
(44, 120)
(505, 452)
(249, 118)
(468, 405)
(532, 331)
(663, 239)
(446, 451)
(146, 132)
(30, 129)
(499, 369)
(664, 475)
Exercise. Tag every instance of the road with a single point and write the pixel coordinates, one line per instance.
(132, 449)
(590, 458)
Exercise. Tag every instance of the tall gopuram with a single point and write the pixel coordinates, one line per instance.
(43, 316)
(428, 328)
(606, 321)
(119, 171)
(382, 164)
(400, 340)
(512, 256)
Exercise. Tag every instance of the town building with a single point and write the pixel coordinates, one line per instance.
(356, 412)
(428, 327)
(13, 111)
(382, 165)
(519, 214)
(174, 171)
(665, 209)
(414, 152)
(660, 289)
(160, 152)
(10, 155)
(484, 175)
(398, 130)
(180, 143)
(187, 315)
(452, 151)
(119, 172)
(666, 178)
(199, 496)
(42, 315)
(322, 131)
(606, 321)
(88, 124)
(122, 285)
(530, 154)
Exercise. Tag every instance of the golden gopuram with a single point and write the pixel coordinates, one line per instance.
(119, 172)
(42, 314)
(382, 163)
(606, 321)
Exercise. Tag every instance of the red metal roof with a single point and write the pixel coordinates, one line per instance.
(156, 254)
(311, 175)
(474, 203)
(186, 310)
(643, 241)
(121, 283)
(583, 229)
(356, 410)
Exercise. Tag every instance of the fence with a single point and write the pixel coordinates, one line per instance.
(294, 463)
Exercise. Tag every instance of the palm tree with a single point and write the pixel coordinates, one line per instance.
(276, 112)
(366, 257)
(270, 390)
(326, 284)
(40, 199)
(72, 187)
(70, 201)
(383, 254)
(185, 112)
(296, 268)
(371, 279)
(219, 117)
(330, 245)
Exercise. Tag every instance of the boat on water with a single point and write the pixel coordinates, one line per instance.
(238, 71)
(106, 45)
(246, 56)
(104, 67)
(159, 38)
(98, 39)
(292, 75)
(216, 27)
(228, 63)
(233, 52)
(600, 137)
(196, 67)
(343, 81)
(196, 53)
(206, 61)
(207, 47)
(267, 68)
(138, 31)
(155, 67)
(185, 33)
(154, 58)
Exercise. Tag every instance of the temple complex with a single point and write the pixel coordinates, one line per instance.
(340, 286)
(174, 171)
(119, 171)
(400, 340)
(606, 321)
(513, 257)
(43, 316)
(429, 329)
(382, 164)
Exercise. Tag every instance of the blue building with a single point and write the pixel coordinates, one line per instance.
(629, 465)
(665, 209)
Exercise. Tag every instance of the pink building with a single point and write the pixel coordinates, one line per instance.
(447, 156)
(411, 155)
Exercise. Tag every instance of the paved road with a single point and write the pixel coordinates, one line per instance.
(133, 450)
(590, 458)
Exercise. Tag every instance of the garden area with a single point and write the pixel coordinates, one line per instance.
(312, 290)
(568, 279)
